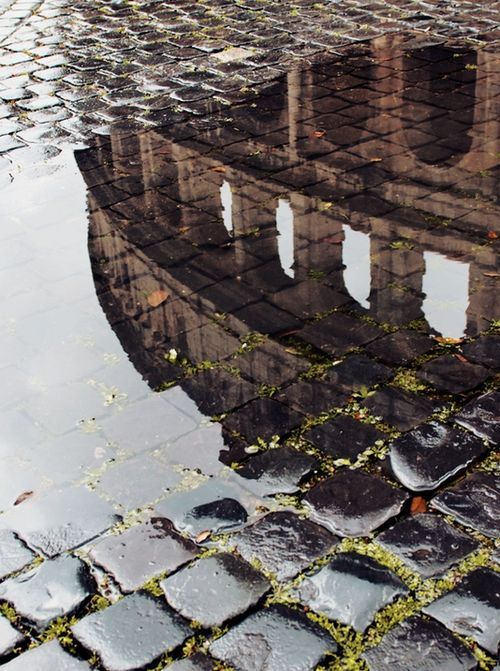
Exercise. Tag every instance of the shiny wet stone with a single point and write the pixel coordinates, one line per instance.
(197, 662)
(215, 589)
(14, 555)
(344, 437)
(143, 552)
(274, 471)
(263, 418)
(420, 645)
(269, 363)
(47, 657)
(427, 544)
(275, 639)
(57, 588)
(472, 609)
(284, 543)
(401, 409)
(137, 482)
(214, 506)
(312, 397)
(484, 351)
(351, 589)
(401, 347)
(338, 333)
(60, 520)
(431, 454)
(449, 374)
(474, 502)
(132, 633)
(482, 417)
(353, 503)
(357, 372)
(216, 391)
(9, 637)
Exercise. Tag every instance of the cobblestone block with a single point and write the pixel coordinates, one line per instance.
(143, 552)
(431, 454)
(132, 633)
(215, 589)
(277, 638)
(351, 589)
(46, 657)
(474, 502)
(56, 588)
(481, 417)
(353, 503)
(472, 608)
(60, 520)
(419, 645)
(14, 555)
(344, 437)
(284, 543)
(427, 544)
(9, 637)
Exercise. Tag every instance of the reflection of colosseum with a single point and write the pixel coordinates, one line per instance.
(363, 184)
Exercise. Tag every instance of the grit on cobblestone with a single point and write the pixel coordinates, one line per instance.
(249, 335)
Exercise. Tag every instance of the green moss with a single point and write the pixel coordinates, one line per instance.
(98, 602)
(9, 612)
(267, 391)
(406, 379)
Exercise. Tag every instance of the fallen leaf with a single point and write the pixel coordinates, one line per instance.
(448, 341)
(319, 133)
(418, 505)
(218, 168)
(491, 274)
(157, 298)
(492, 235)
(335, 239)
(202, 536)
(376, 160)
(461, 358)
(23, 497)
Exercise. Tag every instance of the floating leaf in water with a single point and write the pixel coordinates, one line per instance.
(202, 536)
(448, 341)
(23, 497)
(157, 298)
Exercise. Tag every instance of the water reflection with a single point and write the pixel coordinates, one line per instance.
(356, 259)
(340, 194)
(446, 288)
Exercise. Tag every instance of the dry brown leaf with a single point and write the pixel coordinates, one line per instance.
(418, 505)
(491, 274)
(376, 160)
(158, 297)
(23, 497)
(218, 168)
(448, 341)
(461, 358)
(492, 235)
(202, 536)
(319, 133)
(335, 239)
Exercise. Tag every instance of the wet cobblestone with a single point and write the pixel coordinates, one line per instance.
(269, 443)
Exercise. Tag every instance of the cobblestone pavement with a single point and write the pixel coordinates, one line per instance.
(259, 429)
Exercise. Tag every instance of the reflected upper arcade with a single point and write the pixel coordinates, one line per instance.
(362, 190)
